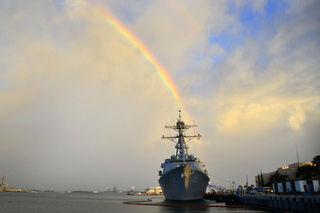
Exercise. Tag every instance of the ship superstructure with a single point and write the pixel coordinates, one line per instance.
(183, 176)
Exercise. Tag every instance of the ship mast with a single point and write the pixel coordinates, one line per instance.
(181, 144)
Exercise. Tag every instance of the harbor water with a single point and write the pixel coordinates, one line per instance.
(12, 202)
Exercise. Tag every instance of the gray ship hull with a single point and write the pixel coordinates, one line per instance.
(184, 184)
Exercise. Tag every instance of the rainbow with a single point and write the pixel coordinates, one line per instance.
(108, 17)
(129, 36)
(146, 54)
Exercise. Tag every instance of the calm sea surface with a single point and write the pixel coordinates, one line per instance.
(106, 202)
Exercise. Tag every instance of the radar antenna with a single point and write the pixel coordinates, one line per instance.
(179, 139)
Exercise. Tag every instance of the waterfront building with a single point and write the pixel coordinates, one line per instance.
(154, 190)
(3, 187)
(289, 170)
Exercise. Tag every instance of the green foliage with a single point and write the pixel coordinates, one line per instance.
(261, 179)
(305, 172)
(316, 161)
(316, 164)
(310, 171)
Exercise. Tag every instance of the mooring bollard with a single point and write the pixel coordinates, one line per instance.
(293, 204)
(265, 203)
(307, 202)
(300, 204)
(315, 204)
(274, 203)
(280, 203)
(286, 203)
(270, 203)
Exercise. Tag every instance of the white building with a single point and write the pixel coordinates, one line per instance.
(289, 170)
(154, 190)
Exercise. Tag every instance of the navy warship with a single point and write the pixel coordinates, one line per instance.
(183, 177)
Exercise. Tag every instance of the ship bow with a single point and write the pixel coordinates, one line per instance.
(184, 183)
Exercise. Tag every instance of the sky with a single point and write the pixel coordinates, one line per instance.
(86, 88)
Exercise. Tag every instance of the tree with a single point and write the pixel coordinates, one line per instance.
(261, 180)
(305, 172)
(310, 171)
(316, 164)
(316, 161)
(276, 177)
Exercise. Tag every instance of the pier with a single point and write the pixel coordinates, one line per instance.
(283, 203)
